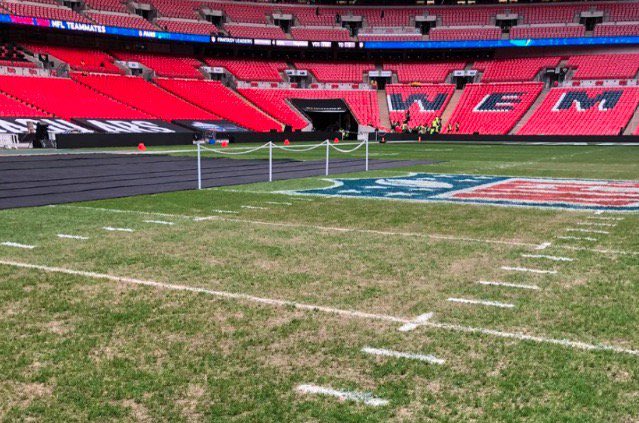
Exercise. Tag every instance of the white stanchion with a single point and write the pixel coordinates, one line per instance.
(328, 153)
(271, 146)
(270, 162)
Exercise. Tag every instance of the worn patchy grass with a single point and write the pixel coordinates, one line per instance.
(75, 348)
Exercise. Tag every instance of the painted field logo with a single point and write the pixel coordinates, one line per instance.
(496, 190)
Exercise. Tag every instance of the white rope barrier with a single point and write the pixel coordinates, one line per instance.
(271, 146)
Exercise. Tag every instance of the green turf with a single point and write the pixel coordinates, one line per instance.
(76, 348)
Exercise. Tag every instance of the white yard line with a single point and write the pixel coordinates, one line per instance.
(17, 245)
(397, 354)
(509, 285)
(578, 238)
(363, 397)
(159, 222)
(552, 258)
(610, 225)
(526, 269)
(112, 229)
(78, 237)
(278, 203)
(353, 230)
(480, 302)
(543, 246)
(254, 207)
(329, 310)
(618, 219)
(587, 231)
(414, 324)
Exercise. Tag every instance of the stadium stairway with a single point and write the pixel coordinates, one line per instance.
(384, 114)
(452, 105)
(633, 125)
(530, 111)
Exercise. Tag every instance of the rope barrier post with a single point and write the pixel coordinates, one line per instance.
(270, 161)
(199, 164)
(366, 152)
(328, 152)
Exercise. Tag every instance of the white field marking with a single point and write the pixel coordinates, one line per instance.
(481, 302)
(354, 230)
(543, 245)
(254, 207)
(112, 229)
(525, 269)
(542, 256)
(599, 212)
(610, 225)
(588, 231)
(327, 310)
(414, 324)
(578, 238)
(390, 353)
(278, 203)
(225, 211)
(159, 222)
(618, 219)
(17, 245)
(363, 397)
(65, 236)
(509, 285)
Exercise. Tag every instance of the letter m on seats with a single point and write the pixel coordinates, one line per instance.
(607, 100)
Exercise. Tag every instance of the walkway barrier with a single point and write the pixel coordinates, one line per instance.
(272, 146)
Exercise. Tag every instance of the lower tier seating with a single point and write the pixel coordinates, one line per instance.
(144, 96)
(422, 103)
(423, 72)
(251, 70)
(506, 70)
(363, 103)
(80, 60)
(493, 108)
(583, 111)
(333, 72)
(605, 66)
(222, 101)
(66, 98)
(11, 107)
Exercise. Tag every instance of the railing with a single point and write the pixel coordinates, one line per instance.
(270, 146)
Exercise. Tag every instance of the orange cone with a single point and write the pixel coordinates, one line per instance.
(336, 140)
(225, 144)
(141, 147)
(286, 142)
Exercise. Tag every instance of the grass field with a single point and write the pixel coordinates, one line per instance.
(222, 314)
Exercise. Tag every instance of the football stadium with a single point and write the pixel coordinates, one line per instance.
(319, 211)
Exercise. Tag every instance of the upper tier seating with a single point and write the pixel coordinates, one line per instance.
(10, 107)
(50, 2)
(182, 67)
(363, 103)
(333, 72)
(251, 70)
(270, 32)
(80, 60)
(244, 12)
(611, 29)
(389, 37)
(109, 5)
(505, 70)
(626, 11)
(46, 94)
(545, 14)
(465, 33)
(126, 21)
(177, 8)
(583, 111)
(187, 26)
(423, 103)
(320, 34)
(44, 11)
(493, 108)
(222, 101)
(548, 31)
(605, 66)
(423, 72)
(144, 96)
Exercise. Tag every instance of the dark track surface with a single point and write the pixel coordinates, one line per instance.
(27, 181)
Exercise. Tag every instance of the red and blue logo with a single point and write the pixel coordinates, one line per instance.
(581, 194)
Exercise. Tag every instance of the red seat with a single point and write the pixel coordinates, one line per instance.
(605, 66)
(583, 111)
(222, 101)
(423, 103)
(522, 69)
(494, 108)
(175, 66)
(337, 72)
